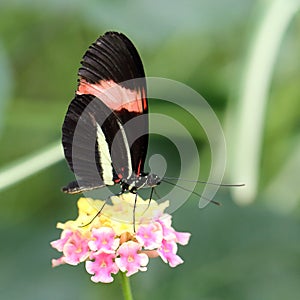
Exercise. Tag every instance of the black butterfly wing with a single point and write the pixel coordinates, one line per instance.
(99, 146)
(90, 131)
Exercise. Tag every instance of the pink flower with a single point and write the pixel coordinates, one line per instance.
(74, 247)
(150, 236)
(102, 267)
(130, 260)
(109, 245)
(104, 240)
(167, 252)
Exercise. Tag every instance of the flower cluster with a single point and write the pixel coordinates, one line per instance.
(110, 243)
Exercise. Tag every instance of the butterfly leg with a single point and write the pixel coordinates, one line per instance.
(150, 198)
(98, 213)
(133, 212)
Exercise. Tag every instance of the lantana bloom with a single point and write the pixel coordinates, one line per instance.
(109, 243)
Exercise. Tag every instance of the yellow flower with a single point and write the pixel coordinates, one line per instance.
(118, 216)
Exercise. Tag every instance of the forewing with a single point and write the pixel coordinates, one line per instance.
(113, 72)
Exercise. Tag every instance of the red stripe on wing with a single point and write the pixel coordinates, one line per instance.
(114, 95)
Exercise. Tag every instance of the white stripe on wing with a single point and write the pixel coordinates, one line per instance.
(105, 158)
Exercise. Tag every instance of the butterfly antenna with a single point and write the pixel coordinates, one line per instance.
(185, 189)
(205, 182)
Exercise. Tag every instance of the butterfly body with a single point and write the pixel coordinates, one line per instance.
(135, 182)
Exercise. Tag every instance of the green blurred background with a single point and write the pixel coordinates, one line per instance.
(237, 251)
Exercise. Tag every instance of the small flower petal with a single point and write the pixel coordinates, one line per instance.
(168, 253)
(64, 237)
(130, 260)
(102, 267)
(57, 262)
(103, 240)
(150, 236)
(168, 231)
(182, 238)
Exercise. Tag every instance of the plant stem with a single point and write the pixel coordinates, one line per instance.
(126, 286)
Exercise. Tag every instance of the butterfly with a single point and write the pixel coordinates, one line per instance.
(105, 130)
